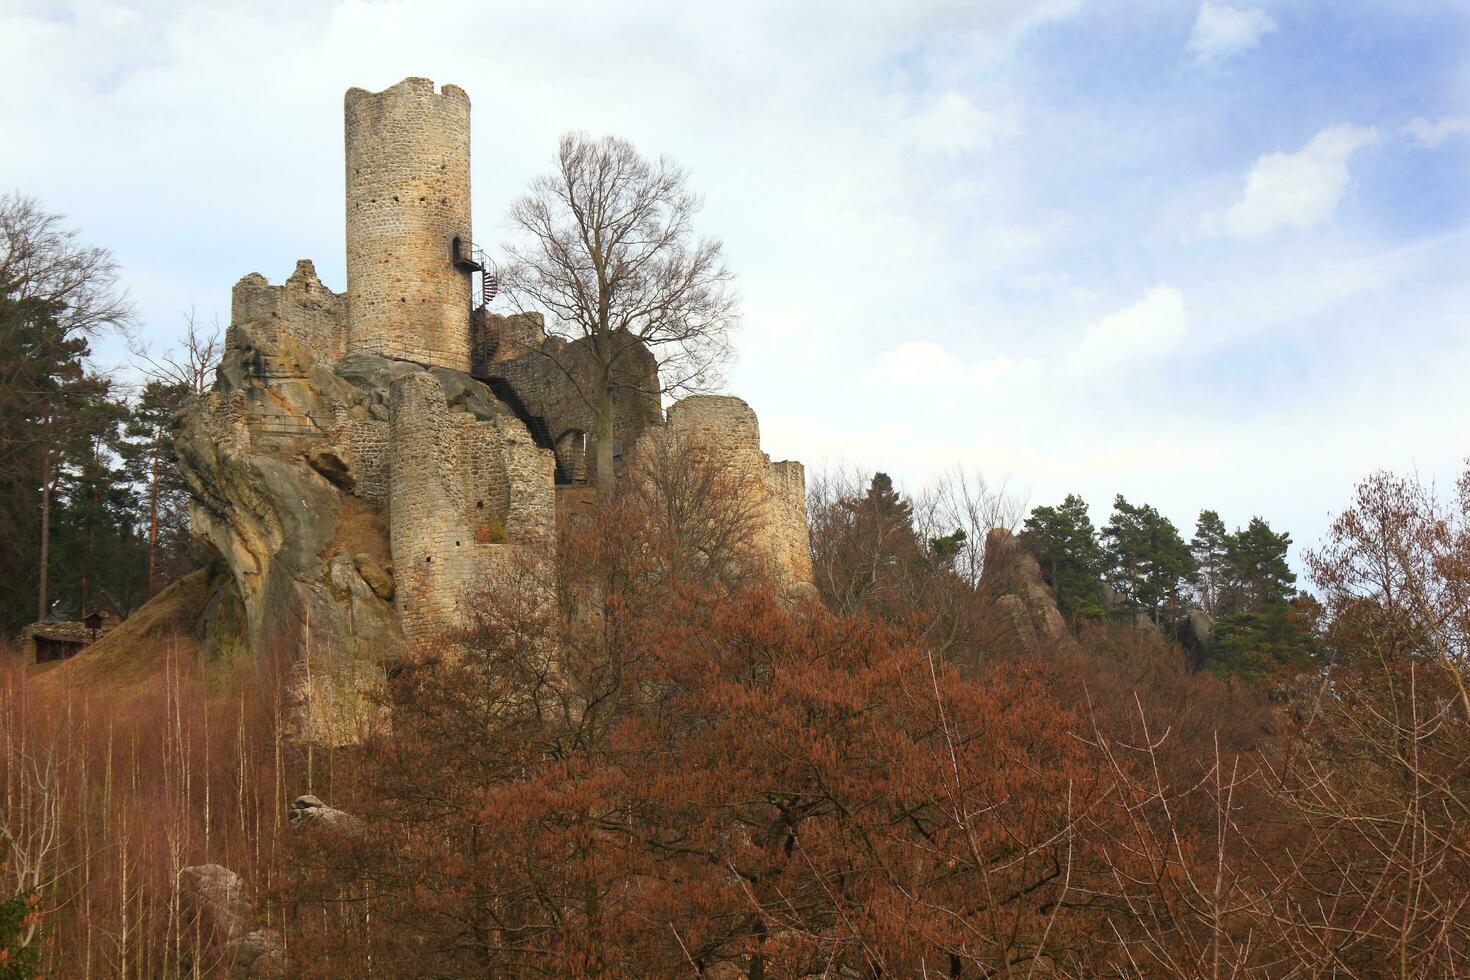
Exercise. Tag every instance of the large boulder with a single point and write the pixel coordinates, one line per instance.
(309, 812)
(1195, 631)
(219, 900)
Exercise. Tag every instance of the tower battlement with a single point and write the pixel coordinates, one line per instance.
(408, 199)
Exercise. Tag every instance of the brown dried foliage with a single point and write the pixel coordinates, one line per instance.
(637, 765)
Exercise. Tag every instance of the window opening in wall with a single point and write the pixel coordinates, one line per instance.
(571, 457)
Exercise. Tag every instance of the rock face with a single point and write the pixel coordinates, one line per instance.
(221, 901)
(1012, 577)
(1196, 633)
(360, 484)
(308, 812)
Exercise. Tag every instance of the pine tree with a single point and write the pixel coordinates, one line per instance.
(1263, 624)
(150, 463)
(1148, 560)
(1065, 544)
(1260, 575)
(46, 399)
(1210, 551)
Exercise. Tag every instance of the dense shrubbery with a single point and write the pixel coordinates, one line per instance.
(706, 781)
(643, 763)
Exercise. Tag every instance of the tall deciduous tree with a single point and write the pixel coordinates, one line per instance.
(607, 249)
(43, 260)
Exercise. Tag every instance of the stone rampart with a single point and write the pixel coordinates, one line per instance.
(728, 427)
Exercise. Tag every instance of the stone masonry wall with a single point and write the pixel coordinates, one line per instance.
(428, 533)
(534, 380)
(463, 493)
(408, 198)
(301, 309)
(728, 426)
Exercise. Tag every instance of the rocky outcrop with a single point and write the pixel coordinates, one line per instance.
(1196, 633)
(220, 902)
(1012, 578)
(291, 466)
(309, 812)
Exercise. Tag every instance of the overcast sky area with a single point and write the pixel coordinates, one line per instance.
(1203, 255)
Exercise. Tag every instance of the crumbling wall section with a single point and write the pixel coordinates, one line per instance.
(728, 427)
(301, 309)
(789, 534)
(549, 387)
(504, 338)
(361, 445)
(408, 199)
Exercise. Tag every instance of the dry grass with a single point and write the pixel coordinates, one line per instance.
(134, 653)
(126, 764)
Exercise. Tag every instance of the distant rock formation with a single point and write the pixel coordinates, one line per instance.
(1012, 577)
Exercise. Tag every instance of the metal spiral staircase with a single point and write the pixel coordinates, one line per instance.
(471, 258)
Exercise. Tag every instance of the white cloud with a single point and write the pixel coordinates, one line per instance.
(1151, 327)
(1294, 190)
(1220, 32)
(953, 123)
(1430, 134)
(928, 363)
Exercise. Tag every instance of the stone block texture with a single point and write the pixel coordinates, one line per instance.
(728, 426)
(300, 309)
(463, 491)
(408, 200)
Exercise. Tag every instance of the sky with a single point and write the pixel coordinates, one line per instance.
(1199, 254)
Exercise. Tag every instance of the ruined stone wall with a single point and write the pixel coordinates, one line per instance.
(728, 426)
(408, 198)
(463, 492)
(364, 445)
(504, 338)
(789, 535)
(300, 309)
(278, 336)
(537, 383)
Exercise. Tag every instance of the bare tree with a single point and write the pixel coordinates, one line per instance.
(190, 364)
(39, 259)
(608, 252)
(963, 501)
(702, 512)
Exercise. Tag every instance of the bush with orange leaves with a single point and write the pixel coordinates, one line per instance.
(625, 770)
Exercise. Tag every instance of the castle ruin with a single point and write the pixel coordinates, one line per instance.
(367, 458)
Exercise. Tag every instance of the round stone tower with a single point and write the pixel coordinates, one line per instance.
(408, 201)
